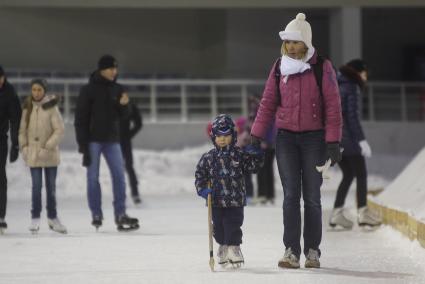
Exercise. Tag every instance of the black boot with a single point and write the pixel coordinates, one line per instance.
(126, 223)
(97, 222)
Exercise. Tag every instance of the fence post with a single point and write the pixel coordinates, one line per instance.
(371, 103)
(153, 105)
(66, 103)
(214, 109)
(183, 103)
(244, 100)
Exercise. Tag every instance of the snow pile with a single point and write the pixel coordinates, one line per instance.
(407, 192)
(160, 173)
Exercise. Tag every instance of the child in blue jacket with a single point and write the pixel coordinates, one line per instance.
(221, 172)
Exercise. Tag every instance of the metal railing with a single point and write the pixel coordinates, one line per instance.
(184, 100)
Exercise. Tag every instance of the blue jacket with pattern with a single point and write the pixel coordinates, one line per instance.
(223, 169)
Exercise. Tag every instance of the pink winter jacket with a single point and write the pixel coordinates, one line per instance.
(301, 104)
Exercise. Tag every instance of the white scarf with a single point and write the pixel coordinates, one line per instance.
(289, 66)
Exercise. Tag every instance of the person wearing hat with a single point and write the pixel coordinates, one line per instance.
(221, 173)
(309, 123)
(40, 133)
(352, 78)
(101, 105)
(10, 115)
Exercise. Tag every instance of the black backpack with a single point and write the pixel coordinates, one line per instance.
(317, 69)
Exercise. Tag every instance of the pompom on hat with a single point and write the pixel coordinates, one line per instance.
(299, 30)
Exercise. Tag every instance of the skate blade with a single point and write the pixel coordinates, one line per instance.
(369, 228)
(58, 231)
(236, 264)
(34, 232)
(128, 229)
(338, 228)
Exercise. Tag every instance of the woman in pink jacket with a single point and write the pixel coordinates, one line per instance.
(307, 113)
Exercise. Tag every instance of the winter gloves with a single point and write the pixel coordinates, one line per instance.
(366, 151)
(14, 153)
(333, 152)
(204, 192)
(86, 159)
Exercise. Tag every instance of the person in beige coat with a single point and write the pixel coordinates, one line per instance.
(40, 133)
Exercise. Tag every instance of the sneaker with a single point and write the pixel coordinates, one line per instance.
(35, 225)
(56, 225)
(338, 219)
(234, 255)
(222, 255)
(368, 218)
(312, 259)
(289, 260)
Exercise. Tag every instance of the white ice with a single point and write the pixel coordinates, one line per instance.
(172, 244)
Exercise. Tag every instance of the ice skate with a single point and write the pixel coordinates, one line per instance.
(56, 225)
(222, 255)
(367, 219)
(97, 222)
(35, 226)
(126, 223)
(136, 199)
(312, 259)
(289, 260)
(234, 256)
(339, 221)
(3, 226)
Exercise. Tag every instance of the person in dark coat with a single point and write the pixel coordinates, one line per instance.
(352, 78)
(10, 116)
(220, 172)
(101, 105)
(130, 126)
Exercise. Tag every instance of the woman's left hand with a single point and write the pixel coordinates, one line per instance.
(124, 100)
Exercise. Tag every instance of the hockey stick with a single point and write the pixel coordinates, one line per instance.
(210, 229)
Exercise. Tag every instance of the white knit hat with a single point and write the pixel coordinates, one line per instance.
(298, 29)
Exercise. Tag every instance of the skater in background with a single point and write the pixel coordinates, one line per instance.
(130, 126)
(243, 131)
(221, 172)
(101, 104)
(265, 176)
(10, 115)
(309, 132)
(352, 79)
(40, 133)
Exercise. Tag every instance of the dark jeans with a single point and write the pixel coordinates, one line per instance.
(265, 176)
(297, 155)
(50, 182)
(114, 160)
(3, 178)
(227, 225)
(127, 151)
(352, 167)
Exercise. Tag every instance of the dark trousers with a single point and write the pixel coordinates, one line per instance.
(127, 152)
(50, 182)
(227, 225)
(352, 167)
(297, 155)
(248, 185)
(3, 178)
(265, 176)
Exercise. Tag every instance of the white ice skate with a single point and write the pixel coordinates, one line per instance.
(289, 260)
(223, 260)
(35, 226)
(56, 225)
(235, 257)
(367, 219)
(312, 259)
(338, 221)
(3, 226)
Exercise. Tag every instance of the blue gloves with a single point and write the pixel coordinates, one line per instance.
(204, 192)
(253, 149)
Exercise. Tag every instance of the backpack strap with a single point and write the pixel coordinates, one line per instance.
(318, 72)
(277, 78)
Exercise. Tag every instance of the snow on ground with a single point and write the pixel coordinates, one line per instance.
(172, 244)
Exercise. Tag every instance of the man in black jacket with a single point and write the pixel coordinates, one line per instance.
(10, 114)
(101, 104)
(130, 126)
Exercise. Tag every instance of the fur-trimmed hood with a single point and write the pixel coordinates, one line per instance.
(47, 102)
(350, 74)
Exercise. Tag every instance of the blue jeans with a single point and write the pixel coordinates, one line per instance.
(50, 177)
(297, 156)
(113, 156)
